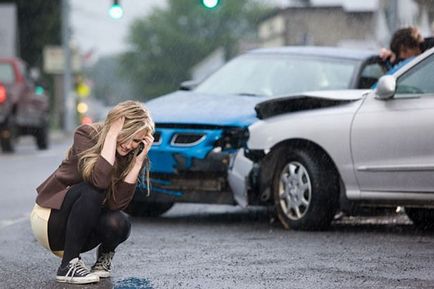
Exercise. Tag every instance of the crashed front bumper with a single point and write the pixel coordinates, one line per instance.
(192, 172)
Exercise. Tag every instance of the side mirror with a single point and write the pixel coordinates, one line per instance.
(188, 85)
(386, 87)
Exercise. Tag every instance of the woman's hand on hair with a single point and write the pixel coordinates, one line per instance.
(387, 55)
(108, 151)
(116, 126)
(139, 159)
(147, 142)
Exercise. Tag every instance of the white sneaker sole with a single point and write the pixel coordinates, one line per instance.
(91, 278)
(101, 273)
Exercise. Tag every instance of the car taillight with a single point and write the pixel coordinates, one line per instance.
(3, 93)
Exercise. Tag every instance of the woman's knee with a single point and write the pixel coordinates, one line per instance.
(116, 223)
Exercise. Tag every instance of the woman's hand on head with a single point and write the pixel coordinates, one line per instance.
(117, 125)
(110, 143)
(147, 144)
(387, 55)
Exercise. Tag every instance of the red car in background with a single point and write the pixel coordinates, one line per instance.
(22, 110)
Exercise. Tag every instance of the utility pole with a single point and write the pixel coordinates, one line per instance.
(68, 96)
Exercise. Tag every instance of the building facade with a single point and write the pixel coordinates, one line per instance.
(356, 23)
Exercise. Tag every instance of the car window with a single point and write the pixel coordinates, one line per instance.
(24, 71)
(418, 80)
(370, 75)
(279, 75)
(6, 73)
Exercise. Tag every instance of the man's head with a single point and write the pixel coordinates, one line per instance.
(406, 42)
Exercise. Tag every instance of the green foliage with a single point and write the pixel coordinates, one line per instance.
(169, 42)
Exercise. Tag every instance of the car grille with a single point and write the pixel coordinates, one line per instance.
(187, 139)
(157, 138)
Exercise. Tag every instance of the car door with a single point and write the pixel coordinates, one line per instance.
(393, 140)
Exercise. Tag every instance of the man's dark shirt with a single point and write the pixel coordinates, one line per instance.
(427, 43)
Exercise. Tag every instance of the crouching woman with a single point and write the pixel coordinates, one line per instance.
(79, 206)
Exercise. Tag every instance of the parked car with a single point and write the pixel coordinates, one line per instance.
(23, 111)
(200, 129)
(375, 147)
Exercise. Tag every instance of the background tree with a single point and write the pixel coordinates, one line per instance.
(166, 44)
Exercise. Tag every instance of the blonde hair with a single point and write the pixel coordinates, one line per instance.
(137, 118)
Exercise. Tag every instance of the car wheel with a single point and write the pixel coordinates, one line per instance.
(421, 217)
(42, 138)
(8, 144)
(8, 136)
(305, 189)
(147, 209)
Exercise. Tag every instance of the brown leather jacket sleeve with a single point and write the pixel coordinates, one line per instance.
(121, 197)
(102, 172)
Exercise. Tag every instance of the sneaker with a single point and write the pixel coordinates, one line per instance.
(76, 272)
(103, 264)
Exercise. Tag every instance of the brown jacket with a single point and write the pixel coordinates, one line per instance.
(52, 191)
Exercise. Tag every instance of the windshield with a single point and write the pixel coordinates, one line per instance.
(279, 75)
(6, 73)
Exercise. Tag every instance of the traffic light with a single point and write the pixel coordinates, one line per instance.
(39, 90)
(116, 11)
(210, 4)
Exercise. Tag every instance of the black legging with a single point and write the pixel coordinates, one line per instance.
(82, 223)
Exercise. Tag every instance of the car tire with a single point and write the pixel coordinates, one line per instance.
(42, 138)
(8, 136)
(8, 145)
(421, 217)
(147, 209)
(305, 189)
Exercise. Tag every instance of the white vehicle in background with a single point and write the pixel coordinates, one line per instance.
(376, 147)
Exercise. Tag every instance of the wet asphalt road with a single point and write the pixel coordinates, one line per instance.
(198, 246)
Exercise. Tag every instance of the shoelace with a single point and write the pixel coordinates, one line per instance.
(104, 261)
(77, 267)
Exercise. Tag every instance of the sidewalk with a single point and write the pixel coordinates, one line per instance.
(59, 136)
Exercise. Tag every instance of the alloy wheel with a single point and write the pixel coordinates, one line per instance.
(295, 190)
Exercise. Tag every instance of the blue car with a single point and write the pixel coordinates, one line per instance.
(201, 129)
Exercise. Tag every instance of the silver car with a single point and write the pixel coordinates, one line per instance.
(374, 147)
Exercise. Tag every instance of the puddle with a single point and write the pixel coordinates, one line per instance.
(133, 283)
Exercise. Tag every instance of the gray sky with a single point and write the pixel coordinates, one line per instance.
(93, 28)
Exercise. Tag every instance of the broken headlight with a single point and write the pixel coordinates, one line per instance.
(233, 138)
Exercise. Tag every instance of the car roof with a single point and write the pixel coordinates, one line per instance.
(338, 52)
(10, 59)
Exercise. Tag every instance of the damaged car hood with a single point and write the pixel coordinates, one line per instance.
(189, 107)
(307, 101)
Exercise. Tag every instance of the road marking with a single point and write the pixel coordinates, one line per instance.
(6, 223)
